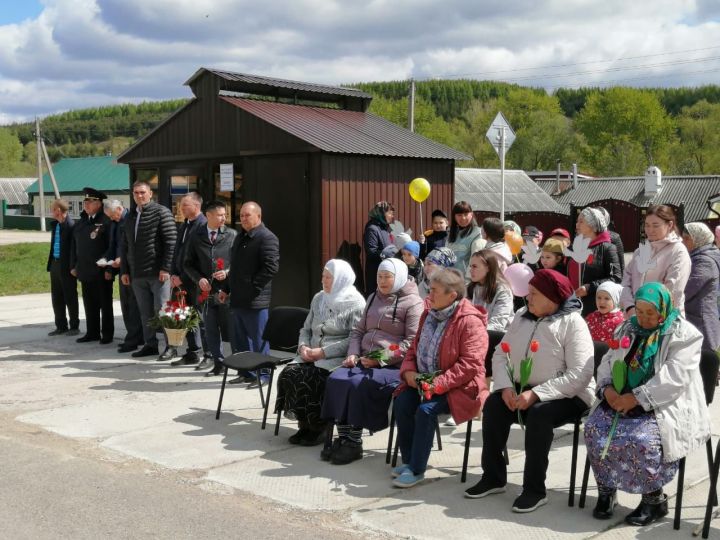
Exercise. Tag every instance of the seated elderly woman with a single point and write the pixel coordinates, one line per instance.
(451, 342)
(358, 394)
(322, 346)
(662, 380)
(552, 331)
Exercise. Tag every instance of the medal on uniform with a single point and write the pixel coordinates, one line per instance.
(93, 235)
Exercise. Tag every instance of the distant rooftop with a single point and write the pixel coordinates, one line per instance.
(74, 174)
(13, 191)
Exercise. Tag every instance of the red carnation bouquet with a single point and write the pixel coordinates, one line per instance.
(203, 297)
(526, 365)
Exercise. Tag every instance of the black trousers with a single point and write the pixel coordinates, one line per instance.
(540, 420)
(63, 291)
(131, 316)
(97, 299)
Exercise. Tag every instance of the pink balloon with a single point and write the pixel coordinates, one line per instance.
(519, 276)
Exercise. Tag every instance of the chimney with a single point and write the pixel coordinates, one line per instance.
(574, 175)
(653, 180)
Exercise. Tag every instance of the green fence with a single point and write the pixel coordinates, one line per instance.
(25, 223)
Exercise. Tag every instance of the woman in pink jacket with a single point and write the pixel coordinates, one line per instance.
(452, 341)
(663, 258)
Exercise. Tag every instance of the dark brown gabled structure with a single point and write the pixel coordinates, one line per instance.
(309, 154)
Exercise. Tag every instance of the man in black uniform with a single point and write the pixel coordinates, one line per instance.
(63, 285)
(91, 239)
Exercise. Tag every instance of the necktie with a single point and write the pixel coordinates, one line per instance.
(213, 234)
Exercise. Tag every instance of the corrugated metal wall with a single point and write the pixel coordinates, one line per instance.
(351, 185)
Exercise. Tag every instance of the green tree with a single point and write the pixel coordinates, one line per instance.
(11, 152)
(625, 129)
(699, 137)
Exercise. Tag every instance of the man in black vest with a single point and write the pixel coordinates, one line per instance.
(255, 261)
(130, 311)
(146, 259)
(63, 285)
(207, 264)
(190, 206)
(91, 240)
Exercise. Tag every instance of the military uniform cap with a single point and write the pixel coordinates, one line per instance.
(92, 194)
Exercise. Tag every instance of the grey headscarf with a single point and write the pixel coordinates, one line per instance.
(595, 218)
(700, 234)
(399, 269)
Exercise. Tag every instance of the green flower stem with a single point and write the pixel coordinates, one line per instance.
(610, 436)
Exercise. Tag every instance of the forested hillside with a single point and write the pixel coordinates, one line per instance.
(610, 132)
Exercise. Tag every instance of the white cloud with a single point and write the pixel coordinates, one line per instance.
(92, 52)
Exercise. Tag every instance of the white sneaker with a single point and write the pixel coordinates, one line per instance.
(450, 422)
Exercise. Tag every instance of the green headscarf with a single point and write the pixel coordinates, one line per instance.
(377, 212)
(642, 365)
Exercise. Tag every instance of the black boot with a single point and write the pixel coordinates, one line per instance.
(302, 432)
(647, 513)
(605, 507)
(314, 435)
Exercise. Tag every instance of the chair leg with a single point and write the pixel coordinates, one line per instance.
(573, 463)
(711, 461)
(679, 496)
(437, 433)
(712, 493)
(390, 435)
(267, 397)
(506, 455)
(222, 391)
(466, 455)
(585, 479)
(277, 422)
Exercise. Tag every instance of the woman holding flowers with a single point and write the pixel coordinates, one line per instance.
(443, 372)
(653, 409)
(322, 347)
(542, 375)
(357, 395)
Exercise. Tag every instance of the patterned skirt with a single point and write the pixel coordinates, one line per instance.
(634, 462)
(360, 397)
(300, 392)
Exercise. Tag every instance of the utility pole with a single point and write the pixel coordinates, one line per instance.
(411, 106)
(502, 173)
(50, 169)
(41, 189)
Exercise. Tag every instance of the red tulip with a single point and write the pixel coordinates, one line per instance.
(625, 342)
(505, 346)
(425, 386)
(590, 259)
(428, 396)
(394, 347)
(534, 346)
(614, 344)
(220, 263)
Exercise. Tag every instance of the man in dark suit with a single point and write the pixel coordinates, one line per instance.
(91, 240)
(190, 206)
(63, 285)
(255, 260)
(130, 311)
(207, 264)
(146, 259)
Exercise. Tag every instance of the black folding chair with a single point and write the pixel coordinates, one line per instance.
(281, 333)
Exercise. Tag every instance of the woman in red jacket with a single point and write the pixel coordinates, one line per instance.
(452, 342)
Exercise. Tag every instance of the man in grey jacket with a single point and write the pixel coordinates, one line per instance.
(146, 260)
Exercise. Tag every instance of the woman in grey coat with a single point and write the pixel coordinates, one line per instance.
(322, 346)
(701, 291)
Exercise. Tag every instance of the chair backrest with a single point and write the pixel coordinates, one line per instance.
(600, 347)
(709, 365)
(494, 339)
(283, 327)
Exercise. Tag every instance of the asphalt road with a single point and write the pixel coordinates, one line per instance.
(53, 487)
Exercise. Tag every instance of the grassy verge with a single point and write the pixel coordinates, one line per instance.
(23, 269)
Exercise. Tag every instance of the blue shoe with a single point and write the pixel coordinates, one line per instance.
(397, 471)
(408, 479)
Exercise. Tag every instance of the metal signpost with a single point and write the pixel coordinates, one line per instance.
(501, 136)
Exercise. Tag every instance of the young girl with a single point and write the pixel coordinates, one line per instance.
(552, 257)
(602, 323)
(489, 289)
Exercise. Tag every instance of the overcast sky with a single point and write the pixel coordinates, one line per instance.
(57, 55)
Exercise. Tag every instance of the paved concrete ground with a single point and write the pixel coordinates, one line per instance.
(92, 406)
(8, 236)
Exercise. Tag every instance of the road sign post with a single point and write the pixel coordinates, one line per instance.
(501, 136)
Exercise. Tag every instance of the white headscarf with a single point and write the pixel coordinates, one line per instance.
(399, 269)
(614, 290)
(342, 290)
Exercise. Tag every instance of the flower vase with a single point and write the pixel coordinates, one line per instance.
(175, 336)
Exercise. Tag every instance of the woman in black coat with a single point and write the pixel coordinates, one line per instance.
(604, 264)
(376, 238)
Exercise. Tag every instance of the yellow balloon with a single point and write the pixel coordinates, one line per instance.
(419, 189)
(514, 241)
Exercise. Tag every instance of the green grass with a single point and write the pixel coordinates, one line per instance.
(23, 269)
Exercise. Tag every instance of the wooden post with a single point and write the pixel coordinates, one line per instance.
(40, 175)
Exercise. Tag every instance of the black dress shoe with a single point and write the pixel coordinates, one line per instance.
(168, 354)
(105, 341)
(58, 332)
(214, 372)
(73, 332)
(206, 363)
(646, 513)
(605, 507)
(242, 380)
(145, 351)
(188, 359)
(127, 347)
(87, 339)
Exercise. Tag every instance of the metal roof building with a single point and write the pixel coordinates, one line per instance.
(309, 154)
(14, 190)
